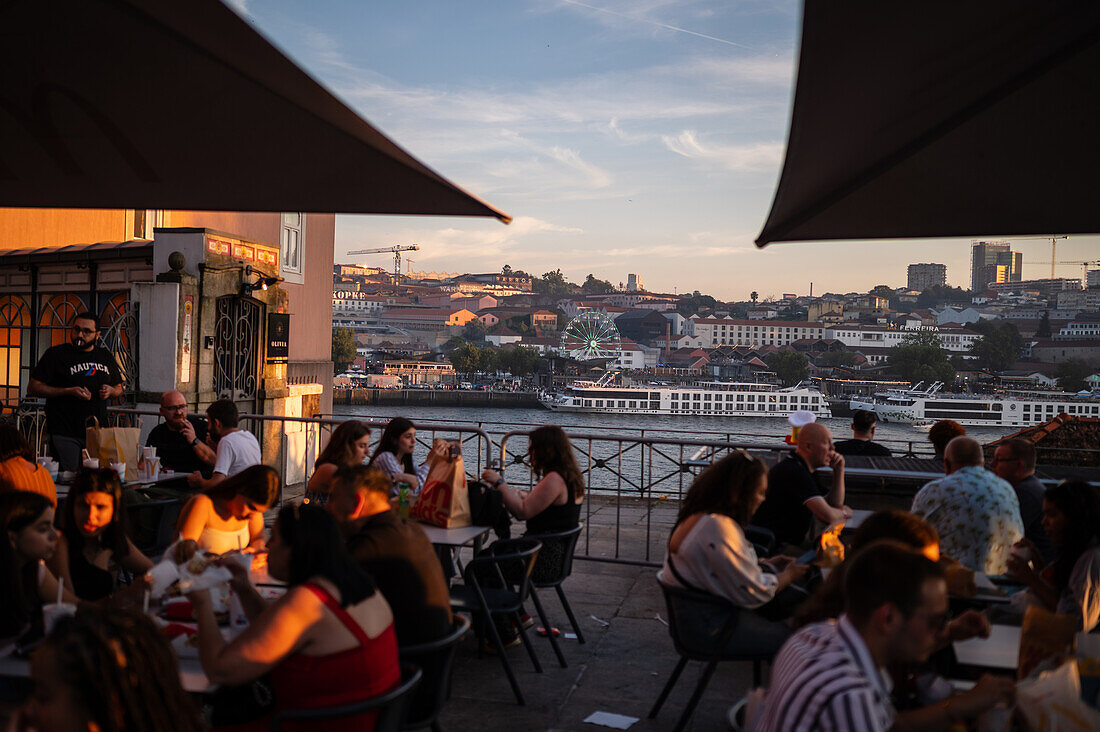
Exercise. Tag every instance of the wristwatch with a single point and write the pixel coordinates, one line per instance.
(497, 484)
(194, 442)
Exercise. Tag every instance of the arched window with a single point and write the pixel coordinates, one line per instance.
(55, 318)
(15, 323)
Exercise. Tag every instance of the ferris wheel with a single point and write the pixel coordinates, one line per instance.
(591, 335)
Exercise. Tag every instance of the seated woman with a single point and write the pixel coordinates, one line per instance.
(708, 550)
(18, 469)
(29, 538)
(347, 446)
(1071, 584)
(328, 641)
(107, 669)
(94, 541)
(230, 516)
(393, 456)
(554, 504)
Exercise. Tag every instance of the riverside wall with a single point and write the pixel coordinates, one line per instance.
(436, 398)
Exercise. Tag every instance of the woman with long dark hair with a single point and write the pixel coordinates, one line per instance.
(327, 642)
(554, 504)
(107, 669)
(394, 454)
(348, 447)
(94, 542)
(26, 520)
(1071, 584)
(230, 516)
(709, 552)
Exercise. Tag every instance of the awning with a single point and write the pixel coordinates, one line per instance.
(939, 119)
(162, 104)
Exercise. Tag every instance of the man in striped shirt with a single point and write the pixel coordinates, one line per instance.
(830, 676)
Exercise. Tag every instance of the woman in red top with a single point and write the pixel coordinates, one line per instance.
(327, 642)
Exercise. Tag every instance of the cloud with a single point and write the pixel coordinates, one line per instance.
(759, 156)
(638, 16)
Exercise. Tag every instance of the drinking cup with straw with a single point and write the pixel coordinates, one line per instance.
(54, 611)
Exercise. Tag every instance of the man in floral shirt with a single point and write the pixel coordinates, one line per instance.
(976, 513)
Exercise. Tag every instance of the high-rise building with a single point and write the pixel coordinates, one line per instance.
(994, 261)
(927, 275)
(1092, 278)
(634, 283)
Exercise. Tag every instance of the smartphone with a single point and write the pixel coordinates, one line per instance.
(807, 557)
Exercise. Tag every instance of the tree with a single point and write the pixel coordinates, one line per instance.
(1071, 374)
(452, 343)
(998, 348)
(833, 359)
(920, 357)
(1043, 331)
(790, 366)
(469, 358)
(943, 295)
(554, 284)
(753, 295)
(882, 291)
(518, 360)
(474, 330)
(343, 349)
(688, 306)
(595, 286)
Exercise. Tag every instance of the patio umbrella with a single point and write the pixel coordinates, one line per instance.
(161, 104)
(935, 119)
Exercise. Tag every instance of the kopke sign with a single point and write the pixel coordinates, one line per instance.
(258, 253)
(278, 337)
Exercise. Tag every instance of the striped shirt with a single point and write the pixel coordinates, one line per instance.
(825, 679)
(387, 463)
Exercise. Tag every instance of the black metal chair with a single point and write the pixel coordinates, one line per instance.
(392, 706)
(488, 592)
(701, 626)
(554, 565)
(435, 659)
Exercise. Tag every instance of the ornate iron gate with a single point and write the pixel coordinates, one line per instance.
(119, 324)
(237, 326)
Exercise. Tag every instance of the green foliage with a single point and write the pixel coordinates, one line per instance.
(1071, 374)
(882, 291)
(1043, 331)
(469, 359)
(520, 324)
(452, 343)
(919, 357)
(474, 330)
(999, 346)
(943, 295)
(595, 286)
(790, 366)
(833, 359)
(518, 360)
(753, 296)
(343, 349)
(688, 306)
(553, 284)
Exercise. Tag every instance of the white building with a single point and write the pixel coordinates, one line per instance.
(714, 332)
(859, 337)
(1085, 326)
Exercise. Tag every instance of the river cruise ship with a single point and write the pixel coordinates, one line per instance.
(977, 410)
(707, 399)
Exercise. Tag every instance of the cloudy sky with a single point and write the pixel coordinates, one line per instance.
(623, 135)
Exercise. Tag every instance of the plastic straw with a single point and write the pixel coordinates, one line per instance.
(60, 588)
(145, 604)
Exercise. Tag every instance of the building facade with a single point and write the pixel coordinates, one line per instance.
(994, 262)
(925, 276)
(714, 332)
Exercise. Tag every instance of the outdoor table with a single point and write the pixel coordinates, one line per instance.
(998, 651)
(455, 539)
(859, 515)
(259, 577)
(164, 476)
(192, 678)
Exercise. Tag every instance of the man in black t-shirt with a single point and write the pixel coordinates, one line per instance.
(394, 551)
(76, 378)
(795, 497)
(863, 434)
(181, 439)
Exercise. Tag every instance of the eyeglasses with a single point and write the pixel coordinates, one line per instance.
(84, 331)
(175, 408)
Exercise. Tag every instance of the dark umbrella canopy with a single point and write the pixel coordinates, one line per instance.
(163, 104)
(937, 119)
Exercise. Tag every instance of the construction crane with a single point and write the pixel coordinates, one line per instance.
(1085, 264)
(396, 256)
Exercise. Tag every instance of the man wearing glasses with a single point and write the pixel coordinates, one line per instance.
(76, 378)
(180, 439)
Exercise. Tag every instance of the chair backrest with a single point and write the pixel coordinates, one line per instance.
(700, 623)
(392, 706)
(555, 561)
(508, 562)
(435, 659)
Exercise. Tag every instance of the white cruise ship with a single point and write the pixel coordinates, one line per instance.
(707, 399)
(977, 410)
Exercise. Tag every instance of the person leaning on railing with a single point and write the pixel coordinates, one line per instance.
(709, 552)
(347, 447)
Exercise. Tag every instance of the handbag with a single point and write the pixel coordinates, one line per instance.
(444, 500)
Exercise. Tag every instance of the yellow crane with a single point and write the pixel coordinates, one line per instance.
(1085, 264)
(396, 255)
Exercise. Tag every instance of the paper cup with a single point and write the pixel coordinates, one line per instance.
(43, 461)
(148, 452)
(92, 464)
(119, 468)
(54, 611)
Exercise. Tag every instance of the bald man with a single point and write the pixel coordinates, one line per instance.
(181, 439)
(976, 514)
(795, 496)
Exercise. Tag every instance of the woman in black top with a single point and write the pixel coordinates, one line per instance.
(94, 543)
(554, 504)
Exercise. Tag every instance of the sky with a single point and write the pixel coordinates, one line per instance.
(623, 136)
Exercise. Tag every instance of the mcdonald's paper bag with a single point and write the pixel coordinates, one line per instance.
(115, 445)
(444, 500)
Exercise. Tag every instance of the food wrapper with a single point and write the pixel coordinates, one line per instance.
(1052, 701)
(199, 574)
(960, 580)
(162, 576)
(1045, 638)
